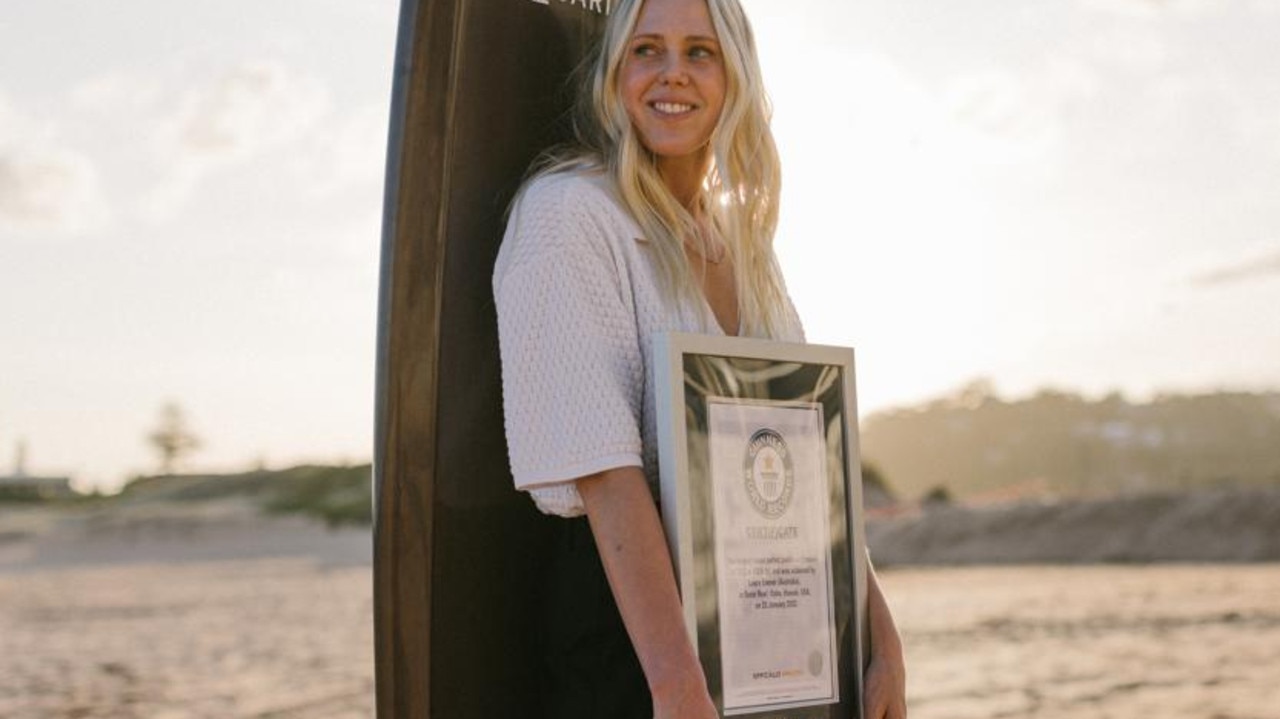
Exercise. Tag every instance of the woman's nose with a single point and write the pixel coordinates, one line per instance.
(674, 72)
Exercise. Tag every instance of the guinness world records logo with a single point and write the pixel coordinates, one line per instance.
(768, 475)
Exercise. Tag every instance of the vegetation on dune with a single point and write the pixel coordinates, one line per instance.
(337, 495)
(973, 446)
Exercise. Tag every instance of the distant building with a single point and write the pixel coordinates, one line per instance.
(21, 485)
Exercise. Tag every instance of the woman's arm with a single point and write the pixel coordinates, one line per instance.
(633, 549)
(886, 677)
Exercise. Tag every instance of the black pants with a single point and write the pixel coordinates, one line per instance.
(591, 668)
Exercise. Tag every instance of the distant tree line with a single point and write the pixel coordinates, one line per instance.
(1060, 443)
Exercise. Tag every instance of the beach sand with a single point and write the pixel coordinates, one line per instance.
(1105, 642)
(177, 612)
(250, 638)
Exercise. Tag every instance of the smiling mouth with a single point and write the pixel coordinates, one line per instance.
(671, 108)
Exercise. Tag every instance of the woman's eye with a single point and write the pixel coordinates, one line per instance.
(700, 52)
(645, 50)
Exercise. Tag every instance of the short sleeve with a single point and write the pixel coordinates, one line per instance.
(572, 371)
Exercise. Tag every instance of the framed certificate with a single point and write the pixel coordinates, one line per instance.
(761, 501)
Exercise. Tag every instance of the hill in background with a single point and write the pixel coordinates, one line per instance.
(975, 445)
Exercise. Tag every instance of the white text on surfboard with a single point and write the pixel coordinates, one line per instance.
(597, 6)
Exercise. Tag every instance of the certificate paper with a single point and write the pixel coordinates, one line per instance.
(772, 553)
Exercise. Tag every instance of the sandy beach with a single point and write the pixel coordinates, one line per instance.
(1114, 642)
(211, 610)
(248, 638)
(183, 610)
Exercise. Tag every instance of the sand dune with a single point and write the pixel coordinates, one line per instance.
(169, 531)
(1241, 525)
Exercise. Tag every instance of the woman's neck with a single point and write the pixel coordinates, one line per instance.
(683, 176)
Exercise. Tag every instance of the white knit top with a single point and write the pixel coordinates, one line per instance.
(579, 301)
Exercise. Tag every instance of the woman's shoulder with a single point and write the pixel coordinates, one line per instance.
(567, 214)
(568, 189)
(569, 208)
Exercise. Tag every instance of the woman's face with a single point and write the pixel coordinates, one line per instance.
(673, 79)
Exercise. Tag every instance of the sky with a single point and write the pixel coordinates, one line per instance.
(1078, 194)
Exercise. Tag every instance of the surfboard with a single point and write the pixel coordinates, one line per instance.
(480, 87)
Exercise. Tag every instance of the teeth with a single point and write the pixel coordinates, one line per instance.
(671, 108)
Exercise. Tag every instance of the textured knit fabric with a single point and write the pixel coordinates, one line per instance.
(579, 302)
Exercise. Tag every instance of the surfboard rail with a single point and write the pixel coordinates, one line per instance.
(479, 89)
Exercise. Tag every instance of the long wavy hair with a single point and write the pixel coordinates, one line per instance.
(739, 195)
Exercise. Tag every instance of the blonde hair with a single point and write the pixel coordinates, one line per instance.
(740, 193)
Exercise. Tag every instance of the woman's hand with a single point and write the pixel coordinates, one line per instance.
(885, 681)
(885, 684)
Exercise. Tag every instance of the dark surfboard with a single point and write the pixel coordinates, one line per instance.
(480, 88)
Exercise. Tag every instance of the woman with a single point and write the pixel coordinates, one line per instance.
(660, 219)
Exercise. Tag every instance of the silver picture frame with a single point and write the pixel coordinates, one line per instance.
(761, 501)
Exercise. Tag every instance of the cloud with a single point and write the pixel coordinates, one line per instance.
(46, 188)
(1017, 118)
(117, 93)
(51, 191)
(1157, 8)
(249, 110)
(1141, 49)
(175, 131)
(346, 152)
(1264, 266)
(1253, 112)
